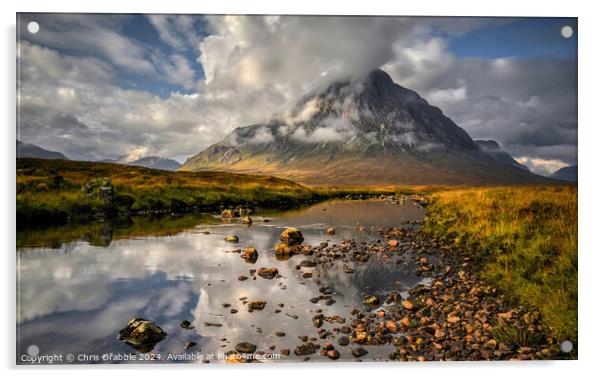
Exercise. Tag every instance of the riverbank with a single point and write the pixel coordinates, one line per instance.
(56, 192)
(522, 240)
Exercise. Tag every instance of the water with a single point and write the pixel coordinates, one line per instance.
(78, 287)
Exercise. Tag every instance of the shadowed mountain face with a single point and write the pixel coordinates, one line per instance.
(566, 174)
(369, 132)
(494, 151)
(27, 150)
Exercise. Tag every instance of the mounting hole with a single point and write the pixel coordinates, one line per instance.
(566, 346)
(33, 27)
(566, 31)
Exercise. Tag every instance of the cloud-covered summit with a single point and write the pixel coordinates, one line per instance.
(105, 86)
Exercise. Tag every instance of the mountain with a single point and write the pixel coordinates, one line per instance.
(157, 163)
(364, 132)
(32, 151)
(494, 151)
(566, 174)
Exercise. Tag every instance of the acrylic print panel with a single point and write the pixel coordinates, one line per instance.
(212, 188)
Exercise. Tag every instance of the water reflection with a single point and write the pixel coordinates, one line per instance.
(74, 296)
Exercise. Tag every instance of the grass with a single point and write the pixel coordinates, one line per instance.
(57, 192)
(52, 192)
(522, 240)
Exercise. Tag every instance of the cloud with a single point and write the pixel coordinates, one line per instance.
(257, 66)
(542, 166)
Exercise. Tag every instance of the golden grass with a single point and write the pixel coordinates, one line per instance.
(522, 239)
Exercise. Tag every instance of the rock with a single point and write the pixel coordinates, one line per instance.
(232, 238)
(186, 324)
(407, 305)
(280, 334)
(285, 352)
(142, 334)
(267, 273)
(308, 263)
(306, 349)
(391, 326)
(343, 341)
(190, 344)
(245, 347)
(233, 311)
(283, 249)
(256, 305)
(292, 236)
(393, 243)
(361, 337)
(229, 213)
(243, 278)
(359, 352)
(249, 253)
(453, 319)
(333, 354)
(318, 320)
(330, 231)
(247, 220)
(327, 346)
(371, 300)
(307, 275)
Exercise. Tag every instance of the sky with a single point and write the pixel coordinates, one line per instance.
(102, 86)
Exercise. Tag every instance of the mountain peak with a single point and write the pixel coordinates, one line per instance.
(358, 131)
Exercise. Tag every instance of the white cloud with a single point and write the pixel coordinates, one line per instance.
(542, 166)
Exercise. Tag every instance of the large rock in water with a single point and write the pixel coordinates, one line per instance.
(142, 334)
(361, 132)
(292, 236)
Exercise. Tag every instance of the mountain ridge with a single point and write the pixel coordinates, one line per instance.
(371, 131)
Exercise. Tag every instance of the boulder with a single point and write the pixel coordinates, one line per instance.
(142, 334)
(283, 249)
(330, 231)
(267, 273)
(292, 236)
(256, 305)
(231, 238)
(247, 220)
(229, 213)
(249, 253)
(245, 347)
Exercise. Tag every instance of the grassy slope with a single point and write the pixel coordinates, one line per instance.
(50, 190)
(523, 240)
(386, 170)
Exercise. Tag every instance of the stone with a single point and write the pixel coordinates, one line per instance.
(307, 275)
(247, 220)
(330, 231)
(359, 352)
(371, 300)
(245, 347)
(283, 249)
(231, 239)
(407, 305)
(333, 354)
(267, 273)
(142, 334)
(256, 305)
(453, 319)
(343, 341)
(229, 213)
(292, 236)
(308, 263)
(249, 253)
(186, 324)
(393, 243)
(391, 326)
(190, 344)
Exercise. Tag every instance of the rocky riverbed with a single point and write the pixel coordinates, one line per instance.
(453, 317)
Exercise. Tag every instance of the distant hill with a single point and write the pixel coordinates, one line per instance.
(25, 150)
(155, 162)
(365, 132)
(495, 151)
(566, 174)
